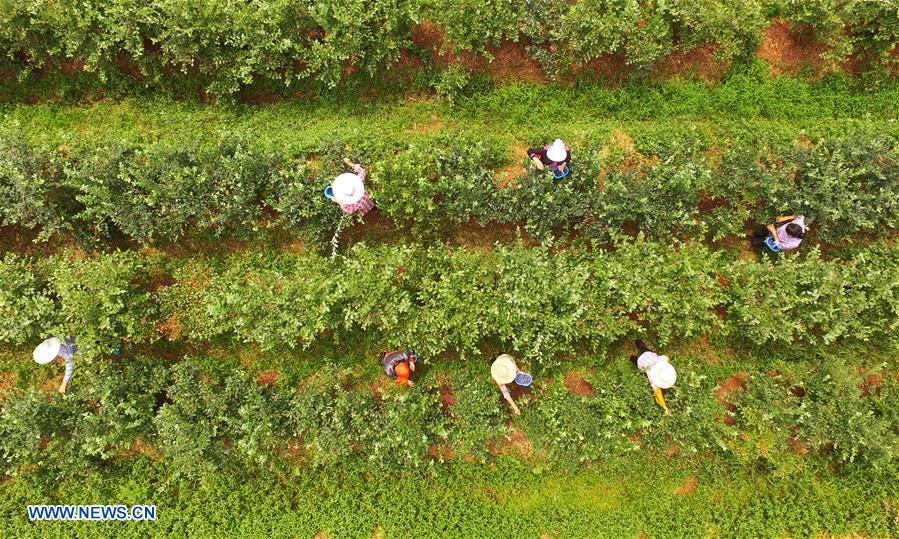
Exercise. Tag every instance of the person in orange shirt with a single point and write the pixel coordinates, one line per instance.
(399, 365)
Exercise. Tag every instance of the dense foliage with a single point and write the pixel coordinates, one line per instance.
(204, 421)
(152, 193)
(224, 47)
(534, 301)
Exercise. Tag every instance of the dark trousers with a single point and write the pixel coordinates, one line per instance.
(758, 236)
(641, 348)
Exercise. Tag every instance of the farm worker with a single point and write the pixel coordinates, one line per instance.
(556, 155)
(348, 190)
(399, 365)
(504, 371)
(658, 369)
(785, 237)
(53, 349)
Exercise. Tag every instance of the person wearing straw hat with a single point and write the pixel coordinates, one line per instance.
(504, 371)
(659, 371)
(348, 190)
(556, 155)
(53, 349)
(399, 365)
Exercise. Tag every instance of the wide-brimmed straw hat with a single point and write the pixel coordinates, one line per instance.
(348, 188)
(503, 369)
(47, 351)
(557, 151)
(662, 374)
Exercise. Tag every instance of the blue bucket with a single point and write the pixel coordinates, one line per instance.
(523, 379)
(559, 174)
(329, 193)
(771, 245)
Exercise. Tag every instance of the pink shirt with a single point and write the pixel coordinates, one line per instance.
(365, 204)
(784, 240)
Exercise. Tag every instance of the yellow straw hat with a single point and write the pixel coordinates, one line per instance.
(503, 369)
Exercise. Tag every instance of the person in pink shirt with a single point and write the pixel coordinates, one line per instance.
(785, 234)
(348, 190)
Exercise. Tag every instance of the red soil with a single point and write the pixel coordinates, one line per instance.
(730, 386)
(447, 398)
(441, 452)
(788, 49)
(515, 442)
(268, 378)
(611, 68)
(688, 487)
(140, 447)
(577, 385)
(698, 61)
(434, 125)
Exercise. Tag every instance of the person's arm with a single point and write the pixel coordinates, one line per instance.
(784, 218)
(773, 232)
(70, 366)
(508, 396)
(348, 162)
(537, 162)
(514, 406)
(661, 400)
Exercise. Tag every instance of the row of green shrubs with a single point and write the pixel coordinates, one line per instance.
(152, 193)
(534, 302)
(204, 421)
(229, 45)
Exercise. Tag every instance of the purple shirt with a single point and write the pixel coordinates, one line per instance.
(784, 240)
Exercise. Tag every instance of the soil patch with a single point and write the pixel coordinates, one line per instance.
(511, 64)
(474, 236)
(577, 385)
(510, 61)
(433, 125)
(140, 447)
(515, 442)
(696, 62)
(447, 398)
(441, 452)
(688, 486)
(268, 378)
(7, 383)
(730, 386)
(788, 49)
(610, 68)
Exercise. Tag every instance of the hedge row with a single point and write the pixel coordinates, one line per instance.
(231, 44)
(539, 304)
(150, 193)
(204, 421)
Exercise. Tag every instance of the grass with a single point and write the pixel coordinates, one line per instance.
(505, 499)
(741, 109)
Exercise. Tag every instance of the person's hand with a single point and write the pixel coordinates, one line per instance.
(517, 411)
(348, 162)
(667, 411)
(537, 162)
(62, 387)
(412, 367)
(411, 383)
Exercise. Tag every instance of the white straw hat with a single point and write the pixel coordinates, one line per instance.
(47, 351)
(503, 369)
(662, 374)
(557, 151)
(348, 188)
